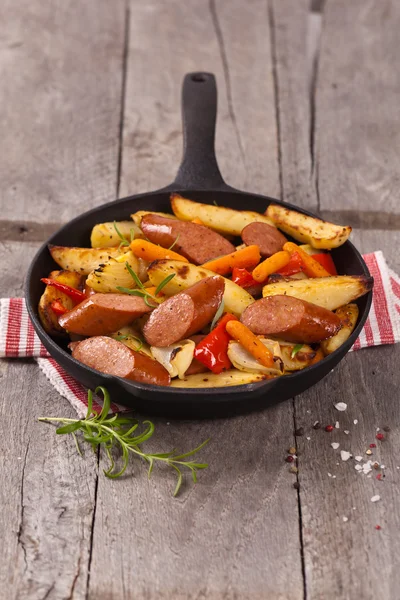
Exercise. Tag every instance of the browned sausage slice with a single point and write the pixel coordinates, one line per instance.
(290, 318)
(195, 242)
(112, 357)
(266, 237)
(102, 314)
(184, 314)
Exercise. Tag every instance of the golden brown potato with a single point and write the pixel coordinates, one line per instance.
(82, 260)
(348, 315)
(228, 378)
(236, 299)
(329, 292)
(47, 316)
(309, 230)
(220, 219)
(104, 235)
(301, 359)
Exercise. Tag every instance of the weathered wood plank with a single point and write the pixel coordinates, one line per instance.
(357, 108)
(235, 535)
(46, 490)
(60, 107)
(295, 108)
(352, 559)
(215, 41)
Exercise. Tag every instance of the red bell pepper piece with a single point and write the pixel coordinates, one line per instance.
(58, 308)
(243, 277)
(73, 293)
(325, 259)
(295, 265)
(212, 351)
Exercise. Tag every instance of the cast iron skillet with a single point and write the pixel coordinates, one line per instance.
(198, 178)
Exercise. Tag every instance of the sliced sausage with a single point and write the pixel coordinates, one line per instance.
(102, 314)
(292, 319)
(195, 242)
(114, 358)
(267, 238)
(184, 314)
(89, 291)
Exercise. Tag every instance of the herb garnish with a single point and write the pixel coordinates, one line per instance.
(173, 243)
(116, 430)
(296, 349)
(142, 291)
(122, 338)
(124, 241)
(218, 314)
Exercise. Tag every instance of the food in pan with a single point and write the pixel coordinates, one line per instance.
(205, 297)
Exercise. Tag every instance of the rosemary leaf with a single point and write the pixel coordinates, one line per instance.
(296, 349)
(218, 314)
(107, 431)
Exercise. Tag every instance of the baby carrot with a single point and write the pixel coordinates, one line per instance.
(247, 257)
(271, 265)
(148, 251)
(311, 267)
(250, 342)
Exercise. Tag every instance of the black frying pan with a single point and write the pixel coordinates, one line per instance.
(199, 179)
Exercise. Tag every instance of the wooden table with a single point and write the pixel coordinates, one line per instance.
(309, 112)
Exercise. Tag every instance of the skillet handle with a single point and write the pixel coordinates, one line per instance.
(199, 167)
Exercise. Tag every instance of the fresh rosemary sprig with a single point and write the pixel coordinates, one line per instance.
(122, 338)
(124, 241)
(218, 314)
(173, 243)
(296, 349)
(142, 291)
(108, 432)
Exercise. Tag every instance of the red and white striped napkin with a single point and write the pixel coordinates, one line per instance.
(18, 337)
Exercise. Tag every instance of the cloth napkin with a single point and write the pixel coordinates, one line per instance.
(18, 338)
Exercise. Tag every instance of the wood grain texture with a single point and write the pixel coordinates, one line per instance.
(352, 559)
(61, 64)
(231, 40)
(46, 489)
(295, 108)
(357, 108)
(235, 535)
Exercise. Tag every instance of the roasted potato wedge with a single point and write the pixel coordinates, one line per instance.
(207, 380)
(82, 260)
(309, 230)
(303, 358)
(277, 277)
(46, 314)
(137, 216)
(348, 315)
(329, 292)
(112, 274)
(236, 299)
(242, 360)
(221, 219)
(104, 235)
(308, 249)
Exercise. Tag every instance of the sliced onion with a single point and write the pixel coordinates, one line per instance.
(176, 358)
(244, 361)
